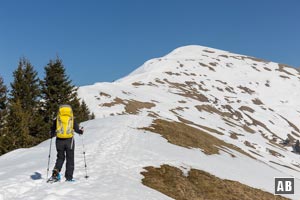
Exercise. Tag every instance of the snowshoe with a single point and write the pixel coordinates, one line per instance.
(70, 180)
(55, 177)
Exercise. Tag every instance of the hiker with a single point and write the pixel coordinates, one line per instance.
(63, 128)
(297, 147)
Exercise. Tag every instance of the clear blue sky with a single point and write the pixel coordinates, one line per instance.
(104, 40)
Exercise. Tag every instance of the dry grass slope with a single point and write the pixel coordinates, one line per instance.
(200, 185)
(189, 137)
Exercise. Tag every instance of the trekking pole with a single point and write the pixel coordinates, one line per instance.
(86, 176)
(49, 157)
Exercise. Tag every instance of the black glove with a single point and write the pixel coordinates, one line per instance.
(81, 131)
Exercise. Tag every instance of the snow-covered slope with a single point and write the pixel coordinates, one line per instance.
(248, 103)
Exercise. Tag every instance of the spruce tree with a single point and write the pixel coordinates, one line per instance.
(25, 86)
(85, 110)
(84, 114)
(3, 119)
(57, 89)
(92, 116)
(3, 105)
(76, 106)
(18, 126)
(24, 120)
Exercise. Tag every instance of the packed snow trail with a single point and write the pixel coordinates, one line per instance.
(23, 172)
(116, 153)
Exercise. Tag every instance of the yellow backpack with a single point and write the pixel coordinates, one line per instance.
(64, 122)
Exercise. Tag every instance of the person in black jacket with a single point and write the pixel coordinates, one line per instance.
(297, 147)
(65, 149)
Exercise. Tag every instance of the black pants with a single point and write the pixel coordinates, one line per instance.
(65, 149)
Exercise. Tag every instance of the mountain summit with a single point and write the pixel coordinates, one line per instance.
(250, 104)
(198, 123)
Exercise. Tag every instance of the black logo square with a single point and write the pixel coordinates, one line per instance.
(284, 186)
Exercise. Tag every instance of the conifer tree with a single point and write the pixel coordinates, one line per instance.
(92, 116)
(85, 111)
(25, 86)
(3, 105)
(3, 115)
(57, 89)
(84, 114)
(18, 126)
(24, 119)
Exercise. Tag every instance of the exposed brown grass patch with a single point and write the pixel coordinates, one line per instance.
(282, 69)
(224, 56)
(208, 51)
(267, 83)
(248, 144)
(257, 101)
(275, 153)
(259, 123)
(229, 100)
(127, 93)
(193, 86)
(152, 114)
(220, 89)
(105, 95)
(214, 64)
(171, 73)
(116, 101)
(232, 111)
(222, 82)
(159, 81)
(284, 77)
(255, 153)
(189, 137)
(230, 114)
(229, 65)
(207, 66)
(234, 135)
(173, 110)
(131, 106)
(211, 109)
(228, 117)
(246, 108)
(255, 59)
(248, 129)
(199, 185)
(229, 122)
(188, 90)
(246, 90)
(295, 134)
(230, 89)
(152, 84)
(255, 68)
(137, 84)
